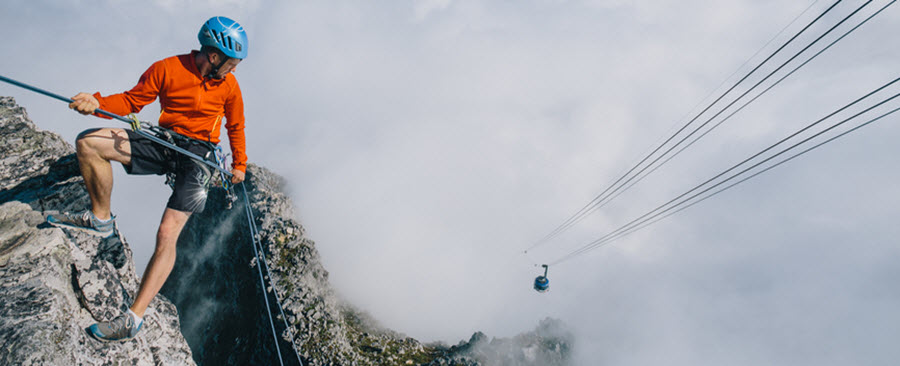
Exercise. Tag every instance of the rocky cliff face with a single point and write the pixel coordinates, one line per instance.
(55, 283)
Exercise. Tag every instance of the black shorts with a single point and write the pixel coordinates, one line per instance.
(191, 177)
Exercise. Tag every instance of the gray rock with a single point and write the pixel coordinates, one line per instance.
(48, 301)
(56, 283)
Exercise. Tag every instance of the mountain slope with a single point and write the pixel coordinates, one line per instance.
(61, 281)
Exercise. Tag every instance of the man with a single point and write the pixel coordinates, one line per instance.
(195, 92)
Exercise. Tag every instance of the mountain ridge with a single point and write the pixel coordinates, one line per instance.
(210, 310)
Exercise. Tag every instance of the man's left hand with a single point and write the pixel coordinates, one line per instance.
(237, 176)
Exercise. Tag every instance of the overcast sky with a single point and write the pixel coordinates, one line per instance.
(428, 143)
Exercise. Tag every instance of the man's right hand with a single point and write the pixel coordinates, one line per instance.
(84, 103)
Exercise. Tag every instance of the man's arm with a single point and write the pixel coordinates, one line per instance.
(234, 117)
(132, 101)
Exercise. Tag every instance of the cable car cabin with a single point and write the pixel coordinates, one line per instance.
(542, 283)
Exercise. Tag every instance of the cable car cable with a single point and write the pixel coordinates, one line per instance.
(619, 188)
(587, 209)
(681, 208)
(686, 205)
(716, 89)
(644, 218)
(754, 98)
(655, 218)
(650, 215)
(780, 162)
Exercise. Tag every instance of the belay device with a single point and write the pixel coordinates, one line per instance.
(542, 283)
(230, 196)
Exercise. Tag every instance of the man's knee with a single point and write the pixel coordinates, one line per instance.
(168, 233)
(87, 132)
(170, 227)
(107, 143)
(85, 143)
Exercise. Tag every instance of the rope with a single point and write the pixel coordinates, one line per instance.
(261, 258)
(262, 280)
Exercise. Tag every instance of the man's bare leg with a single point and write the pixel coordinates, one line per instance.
(163, 259)
(95, 149)
(127, 325)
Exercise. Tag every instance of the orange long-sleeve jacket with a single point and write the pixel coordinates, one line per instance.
(191, 104)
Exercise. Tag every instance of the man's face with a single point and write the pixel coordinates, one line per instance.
(227, 67)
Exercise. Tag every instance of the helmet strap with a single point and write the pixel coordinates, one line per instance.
(214, 72)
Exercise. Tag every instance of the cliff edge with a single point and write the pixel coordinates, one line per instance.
(57, 282)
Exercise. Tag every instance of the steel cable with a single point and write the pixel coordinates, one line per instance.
(756, 97)
(637, 223)
(604, 196)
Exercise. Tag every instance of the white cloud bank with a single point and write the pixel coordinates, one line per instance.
(429, 142)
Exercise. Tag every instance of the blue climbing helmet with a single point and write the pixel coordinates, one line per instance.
(226, 35)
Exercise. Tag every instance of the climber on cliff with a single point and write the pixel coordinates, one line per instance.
(195, 92)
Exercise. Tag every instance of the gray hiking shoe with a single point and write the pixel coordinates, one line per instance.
(121, 328)
(84, 221)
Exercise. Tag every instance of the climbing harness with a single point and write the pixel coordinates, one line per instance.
(216, 154)
(135, 122)
(223, 181)
(167, 138)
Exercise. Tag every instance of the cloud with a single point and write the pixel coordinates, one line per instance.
(233, 6)
(428, 143)
(424, 8)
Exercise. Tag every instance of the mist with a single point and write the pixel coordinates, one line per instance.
(428, 143)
